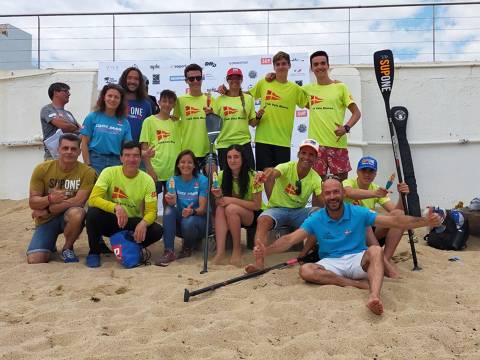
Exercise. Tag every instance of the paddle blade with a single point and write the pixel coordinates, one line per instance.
(384, 70)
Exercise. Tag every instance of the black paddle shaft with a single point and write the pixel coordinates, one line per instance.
(384, 72)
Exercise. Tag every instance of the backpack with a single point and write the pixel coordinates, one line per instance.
(452, 234)
(127, 252)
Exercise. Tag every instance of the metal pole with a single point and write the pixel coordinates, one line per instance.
(38, 42)
(268, 32)
(113, 37)
(190, 34)
(349, 33)
(433, 32)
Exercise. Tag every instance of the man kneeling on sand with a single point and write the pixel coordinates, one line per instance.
(339, 229)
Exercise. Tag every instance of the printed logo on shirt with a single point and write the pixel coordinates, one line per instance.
(118, 193)
(315, 99)
(272, 96)
(161, 134)
(290, 189)
(347, 232)
(227, 110)
(190, 110)
(301, 113)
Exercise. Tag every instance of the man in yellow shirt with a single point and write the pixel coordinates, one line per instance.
(123, 198)
(327, 101)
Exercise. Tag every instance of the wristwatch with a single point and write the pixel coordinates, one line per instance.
(347, 128)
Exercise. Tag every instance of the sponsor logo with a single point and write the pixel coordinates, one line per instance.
(156, 79)
(117, 250)
(266, 61)
(272, 96)
(178, 66)
(118, 193)
(290, 189)
(210, 63)
(177, 78)
(347, 232)
(243, 62)
(162, 134)
(315, 99)
(295, 59)
(258, 102)
(385, 78)
(302, 128)
(299, 82)
(110, 80)
(156, 66)
(190, 110)
(301, 113)
(252, 74)
(227, 110)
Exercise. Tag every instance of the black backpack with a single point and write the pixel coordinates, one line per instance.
(453, 237)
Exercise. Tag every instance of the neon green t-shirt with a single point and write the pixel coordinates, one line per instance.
(164, 136)
(327, 106)
(252, 188)
(279, 100)
(284, 190)
(235, 128)
(368, 203)
(189, 110)
(131, 193)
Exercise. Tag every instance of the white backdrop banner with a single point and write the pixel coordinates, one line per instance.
(168, 74)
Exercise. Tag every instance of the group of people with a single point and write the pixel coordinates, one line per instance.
(133, 149)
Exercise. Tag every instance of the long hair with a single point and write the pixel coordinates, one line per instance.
(243, 176)
(242, 100)
(196, 167)
(122, 107)
(141, 92)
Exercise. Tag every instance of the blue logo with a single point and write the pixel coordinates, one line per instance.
(177, 78)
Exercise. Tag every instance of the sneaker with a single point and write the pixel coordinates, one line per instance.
(186, 252)
(167, 257)
(104, 249)
(93, 260)
(69, 256)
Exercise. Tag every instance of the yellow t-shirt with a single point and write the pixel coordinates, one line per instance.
(252, 188)
(235, 128)
(368, 203)
(284, 190)
(189, 110)
(164, 136)
(49, 175)
(327, 106)
(279, 101)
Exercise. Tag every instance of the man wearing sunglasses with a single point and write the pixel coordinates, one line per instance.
(295, 182)
(190, 110)
(54, 116)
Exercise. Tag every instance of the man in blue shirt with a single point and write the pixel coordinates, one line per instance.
(339, 229)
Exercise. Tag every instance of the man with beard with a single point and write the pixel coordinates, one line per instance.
(139, 105)
(339, 229)
(295, 182)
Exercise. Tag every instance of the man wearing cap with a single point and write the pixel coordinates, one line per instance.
(237, 111)
(295, 182)
(54, 116)
(327, 100)
(364, 192)
(339, 230)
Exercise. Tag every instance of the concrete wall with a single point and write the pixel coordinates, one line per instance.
(440, 99)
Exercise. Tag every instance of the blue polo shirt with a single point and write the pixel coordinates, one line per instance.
(345, 236)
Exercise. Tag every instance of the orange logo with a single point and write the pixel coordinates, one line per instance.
(315, 99)
(290, 189)
(227, 110)
(118, 193)
(190, 110)
(162, 134)
(272, 96)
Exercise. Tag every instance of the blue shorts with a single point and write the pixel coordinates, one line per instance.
(288, 217)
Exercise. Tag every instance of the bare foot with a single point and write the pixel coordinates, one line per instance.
(389, 269)
(236, 261)
(375, 305)
(219, 260)
(250, 268)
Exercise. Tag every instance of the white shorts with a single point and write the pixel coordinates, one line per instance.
(348, 266)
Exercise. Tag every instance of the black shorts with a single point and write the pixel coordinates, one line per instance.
(247, 154)
(267, 155)
(382, 240)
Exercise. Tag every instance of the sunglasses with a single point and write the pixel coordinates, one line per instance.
(194, 78)
(298, 187)
(332, 177)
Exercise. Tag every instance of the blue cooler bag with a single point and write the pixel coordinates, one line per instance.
(126, 250)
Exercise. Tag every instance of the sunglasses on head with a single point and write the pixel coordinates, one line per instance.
(332, 177)
(194, 78)
(298, 187)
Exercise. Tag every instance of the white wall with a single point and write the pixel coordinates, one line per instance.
(440, 99)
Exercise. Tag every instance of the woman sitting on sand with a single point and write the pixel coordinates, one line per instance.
(238, 200)
(105, 129)
(186, 208)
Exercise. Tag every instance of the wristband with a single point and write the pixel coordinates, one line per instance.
(347, 128)
(258, 117)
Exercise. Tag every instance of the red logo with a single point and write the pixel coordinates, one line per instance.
(315, 99)
(272, 96)
(162, 134)
(190, 110)
(118, 193)
(117, 250)
(290, 189)
(265, 61)
(227, 110)
(301, 113)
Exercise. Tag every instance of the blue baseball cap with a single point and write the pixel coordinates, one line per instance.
(367, 162)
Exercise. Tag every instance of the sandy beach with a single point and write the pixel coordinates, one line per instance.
(68, 311)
